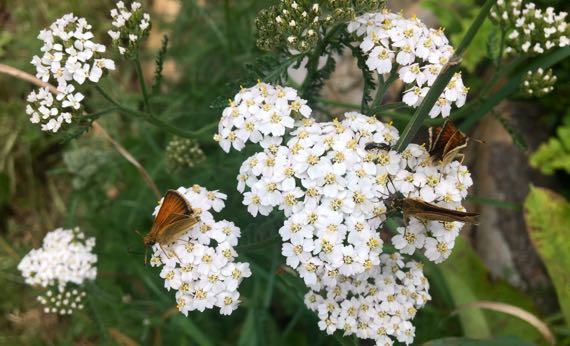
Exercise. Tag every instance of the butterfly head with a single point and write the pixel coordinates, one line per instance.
(148, 240)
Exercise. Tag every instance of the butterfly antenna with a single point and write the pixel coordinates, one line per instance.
(480, 141)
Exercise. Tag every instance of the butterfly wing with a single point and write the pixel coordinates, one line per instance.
(455, 143)
(439, 137)
(174, 230)
(431, 212)
(174, 208)
(173, 204)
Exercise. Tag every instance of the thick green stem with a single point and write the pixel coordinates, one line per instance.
(442, 80)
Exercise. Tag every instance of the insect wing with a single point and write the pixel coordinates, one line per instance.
(173, 204)
(439, 139)
(431, 212)
(174, 230)
(457, 142)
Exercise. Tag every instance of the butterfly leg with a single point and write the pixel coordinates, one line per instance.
(462, 158)
(164, 251)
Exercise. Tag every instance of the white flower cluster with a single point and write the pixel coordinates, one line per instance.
(335, 196)
(63, 263)
(70, 57)
(532, 30)
(417, 54)
(378, 304)
(260, 112)
(132, 27)
(201, 265)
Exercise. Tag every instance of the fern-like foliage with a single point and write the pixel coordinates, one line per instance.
(368, 77)
(157, 80)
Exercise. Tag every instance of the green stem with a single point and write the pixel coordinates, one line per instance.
(313, 63)
(154, 120)
(382, 89)
(142, 83)
(442, 80)
(95, 115)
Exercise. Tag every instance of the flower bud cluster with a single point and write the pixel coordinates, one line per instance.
(62, 300)
(201, 265)
(531, 30)
(260, 112)
(378, 304)
(70, 57)
(407, 49)
(184, 152)
(131, 28)
(61, 266)
(538, 83)
(298, 25)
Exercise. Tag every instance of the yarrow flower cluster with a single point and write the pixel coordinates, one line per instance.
(184, 152)
(531, 31)
(336, 195)
(538, 83)
(417, 54)
(131, 27)
(61, 266)
(260, 112)
(70, 58)
(201, 264)
(298, 25)
(378, 304)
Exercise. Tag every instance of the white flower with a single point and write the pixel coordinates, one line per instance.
(201, 265)
(131, 27)
(99, 65)
(61, 266)
(394, 44)
(67, 68)
(258, 114)
(377, 305)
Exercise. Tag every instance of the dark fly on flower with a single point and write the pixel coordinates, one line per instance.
(377, 146)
